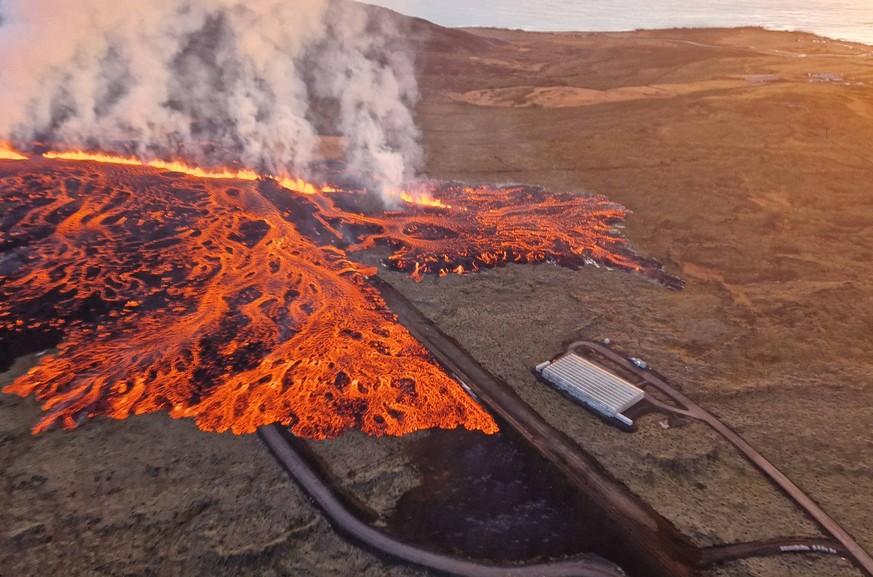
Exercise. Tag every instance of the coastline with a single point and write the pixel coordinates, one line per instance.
(863, 42)
(564, 17)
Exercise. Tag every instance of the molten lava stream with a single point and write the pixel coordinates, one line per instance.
(201, 299)
(231, 300)
(466, 229)
(9, 153)
(293, 184)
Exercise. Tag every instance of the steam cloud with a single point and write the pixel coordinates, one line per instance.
(213, 81)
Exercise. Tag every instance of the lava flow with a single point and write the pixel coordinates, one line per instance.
(234, 301)
(7, 153)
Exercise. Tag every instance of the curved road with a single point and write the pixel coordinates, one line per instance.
(342, 519)
(691, 409)
(721, 553)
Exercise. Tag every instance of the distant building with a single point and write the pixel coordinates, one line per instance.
(592, 385)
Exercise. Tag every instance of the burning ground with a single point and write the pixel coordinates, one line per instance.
(236, 303)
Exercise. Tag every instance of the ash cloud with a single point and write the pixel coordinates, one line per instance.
(212, 81)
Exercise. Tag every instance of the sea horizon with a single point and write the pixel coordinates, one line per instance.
(845, 20)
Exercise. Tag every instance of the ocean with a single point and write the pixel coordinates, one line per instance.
(841, 19)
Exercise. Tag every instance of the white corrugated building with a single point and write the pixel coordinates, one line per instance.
(593, 385)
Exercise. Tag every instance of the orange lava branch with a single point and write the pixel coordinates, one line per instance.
(9, 153)
(227, 298)
(203, 300)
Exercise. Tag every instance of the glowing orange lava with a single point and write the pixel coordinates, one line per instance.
(293, 184)
(9, 153)
(300, 185)
(197, 172)
(422, 200)
(234, 301)
(93, 156)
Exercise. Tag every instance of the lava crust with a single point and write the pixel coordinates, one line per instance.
(235, 302)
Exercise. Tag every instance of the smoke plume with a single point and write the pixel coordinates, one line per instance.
(212, 81)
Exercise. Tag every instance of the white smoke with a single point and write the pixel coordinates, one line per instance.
(210, 80)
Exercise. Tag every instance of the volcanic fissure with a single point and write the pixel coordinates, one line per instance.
(231, 298)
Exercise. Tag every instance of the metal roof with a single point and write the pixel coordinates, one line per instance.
(592, 384)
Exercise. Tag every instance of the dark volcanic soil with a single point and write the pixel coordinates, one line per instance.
(495, 498)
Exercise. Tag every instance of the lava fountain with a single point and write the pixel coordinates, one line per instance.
(231, 298)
